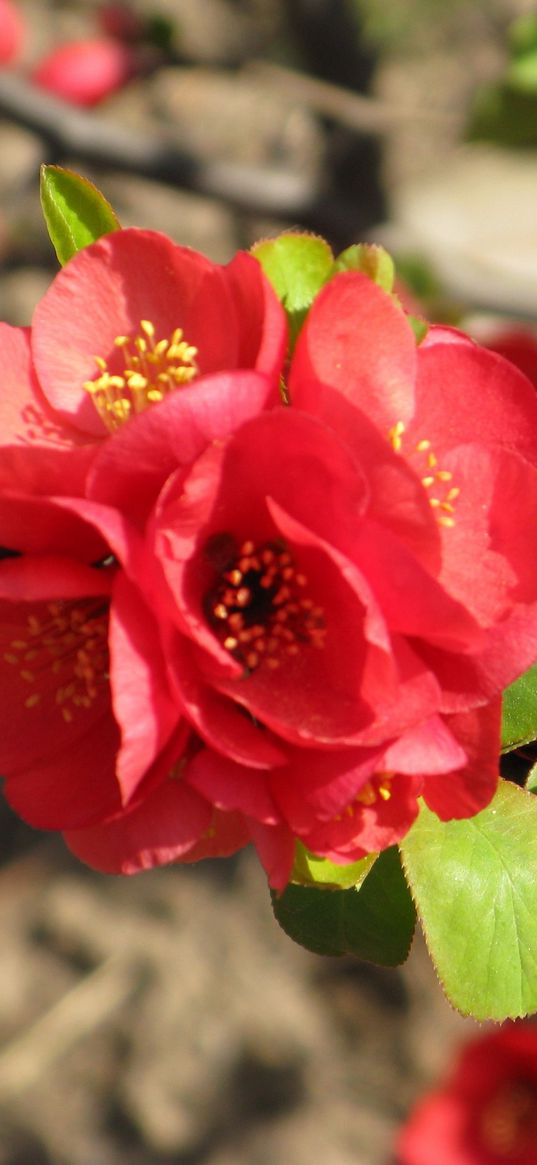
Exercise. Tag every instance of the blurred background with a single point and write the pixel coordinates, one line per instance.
(165, 1020)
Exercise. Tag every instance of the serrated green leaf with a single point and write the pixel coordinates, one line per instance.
(519, 711)
(374, 921)
(297, 265)
(310, 870)
(75, 211)
(371, 260)
(475, 887)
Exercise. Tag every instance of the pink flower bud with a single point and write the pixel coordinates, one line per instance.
(85, 72)
(12, 32)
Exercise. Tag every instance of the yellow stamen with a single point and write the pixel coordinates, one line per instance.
(152, 369)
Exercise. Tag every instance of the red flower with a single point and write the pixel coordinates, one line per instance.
(335, 593)
(486, 1113)
(518, 343)
(57, 715)
(12, 32)
(188, 323)
(85, 72)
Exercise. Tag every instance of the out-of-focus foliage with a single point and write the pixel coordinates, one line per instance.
(506, 112)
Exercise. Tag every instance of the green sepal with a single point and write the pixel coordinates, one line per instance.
(419, 326)
(75, 211)
(310, 870)
(374, 921)
(519, 711)
(371, 260)
(297, 266)
(531, 780)
(475, 888)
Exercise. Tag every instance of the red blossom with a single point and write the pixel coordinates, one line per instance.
(85, 72)
(315, 608)
(12, 32)
(486, 1112)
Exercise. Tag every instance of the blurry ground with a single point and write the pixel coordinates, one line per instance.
(166, 1020)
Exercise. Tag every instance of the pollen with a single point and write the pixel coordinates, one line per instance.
(68, 647)
(438, 483)
(259, 606)
(142, 372)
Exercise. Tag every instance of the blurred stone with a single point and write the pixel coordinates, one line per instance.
(235, 116)
(189, 219)
(20, 291)
(474, 218)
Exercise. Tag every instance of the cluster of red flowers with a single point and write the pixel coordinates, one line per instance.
(486, 1112)
(248, 601)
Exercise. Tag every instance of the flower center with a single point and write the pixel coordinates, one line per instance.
(379, 788)
(442, 494)
(151, 370)
(69, 645)
(508, 1123)
(259, 607)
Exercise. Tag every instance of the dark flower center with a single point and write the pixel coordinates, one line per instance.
(259, 607)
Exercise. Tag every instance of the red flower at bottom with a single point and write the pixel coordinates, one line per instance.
(486, 1114)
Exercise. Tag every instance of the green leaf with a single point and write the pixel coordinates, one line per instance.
(371, 260)
(374, 921)
(519, 711)
(310, 870)
(76, 213)
(475, 887)
(297, 265)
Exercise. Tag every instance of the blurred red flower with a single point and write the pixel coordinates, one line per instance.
(12, 32)
(486, 1112)
(85, 72)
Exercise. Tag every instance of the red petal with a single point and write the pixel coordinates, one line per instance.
(141, 699)
(470, 789)
(230, 786)
(466, 394)
(162, 829)
(133, 464)
(105, 291)
(356, 340)
(261, 320)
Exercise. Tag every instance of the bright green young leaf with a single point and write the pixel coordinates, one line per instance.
(474, 883)
(76, 213)
(371, 260)
(519, 711)
(374, 921)
(310, 870)
(297, 265)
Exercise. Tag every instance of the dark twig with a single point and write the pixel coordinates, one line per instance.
(72, 132)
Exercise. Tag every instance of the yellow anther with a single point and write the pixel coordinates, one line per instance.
(431, 460)
(443, 475)
(427, 482)
(152, 369)
(443, 520)
(395, 435)
(422, 446)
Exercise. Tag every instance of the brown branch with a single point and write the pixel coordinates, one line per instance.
(364, 115)
(92, 138)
